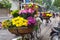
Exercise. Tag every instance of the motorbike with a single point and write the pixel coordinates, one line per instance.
(55, 34)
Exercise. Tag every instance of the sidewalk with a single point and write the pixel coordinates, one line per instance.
(45, 33)
(6, 35)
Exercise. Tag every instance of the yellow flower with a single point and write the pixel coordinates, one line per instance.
(17, 25)
(36, 6)
(18, 17)
(25, 20)
(50, 15)
(6, 24)
(47, 14)
(30, 4)
(19, 21)
(13, 21)
(20, 24)
(25, 24)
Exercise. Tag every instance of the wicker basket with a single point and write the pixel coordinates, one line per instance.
(21, 31)
(46, 17)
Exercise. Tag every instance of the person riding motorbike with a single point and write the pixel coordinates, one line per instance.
(56, 29)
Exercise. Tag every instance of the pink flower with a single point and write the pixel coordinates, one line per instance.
(31, 10)
(23, 11)
(20, 11)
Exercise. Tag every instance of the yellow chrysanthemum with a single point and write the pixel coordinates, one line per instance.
(6, 24)
(50, 15)
(25, 20)
(19, 21)
(25, 24)
(47, 14)
(36, 6)
(13, 21)
(17, 25)
(30, 4)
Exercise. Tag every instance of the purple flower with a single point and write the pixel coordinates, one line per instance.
(31, 20)
(31, 10)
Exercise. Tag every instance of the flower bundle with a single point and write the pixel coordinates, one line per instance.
(19, 21)
(22, 18)
(46, 14)
(31, 11)
(6, 24)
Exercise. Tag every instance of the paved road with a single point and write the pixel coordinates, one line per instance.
(46, 33)
(6, 35)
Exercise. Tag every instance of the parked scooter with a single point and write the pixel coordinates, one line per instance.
(55, 34)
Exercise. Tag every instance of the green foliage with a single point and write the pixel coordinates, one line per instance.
(57, 3)
(5, 4)
(18, 39)
(15, 13)
(38, 1)
(36, 28)
(48, 4)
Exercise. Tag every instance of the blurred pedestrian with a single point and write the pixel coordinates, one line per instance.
(53, 15)
(37, 31)
(54, 20)
(41, 17)
(58, 17)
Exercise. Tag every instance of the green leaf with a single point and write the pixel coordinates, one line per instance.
(57, 3)
(15, 13)
(36, 28)
(5, 4)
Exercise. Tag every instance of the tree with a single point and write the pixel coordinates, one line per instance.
(47, 4)
(38, 1)
(50, 6)
(57, 3)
